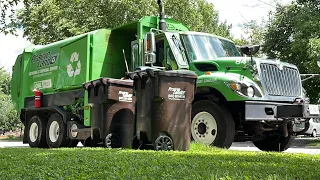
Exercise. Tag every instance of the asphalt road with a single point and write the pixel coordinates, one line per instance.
(299, 146)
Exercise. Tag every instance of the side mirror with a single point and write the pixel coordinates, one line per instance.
(250, 50)
(149, 48)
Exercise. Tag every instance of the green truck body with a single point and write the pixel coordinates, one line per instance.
(237, 99)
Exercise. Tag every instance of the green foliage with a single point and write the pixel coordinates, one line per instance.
(76, 108)
(200, 162)
(51, 20)
(7, 13)
(293, 35)
(4, 81)
(255, 34)
(8, 115)
(9, 119)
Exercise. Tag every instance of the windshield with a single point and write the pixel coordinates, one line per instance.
(204, 47)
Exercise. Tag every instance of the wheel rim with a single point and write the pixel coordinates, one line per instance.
(163, 143)
(54, 131)
(74, 127)
(204, 128)
(33, 132)
(112, 141)
(314, 133)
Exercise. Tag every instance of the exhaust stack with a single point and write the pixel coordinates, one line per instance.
(162, 23)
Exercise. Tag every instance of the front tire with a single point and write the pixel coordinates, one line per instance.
(56, 132)
(212, 124)
(37, 132)
(274, 143)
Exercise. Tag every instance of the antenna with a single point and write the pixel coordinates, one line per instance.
(125, 60)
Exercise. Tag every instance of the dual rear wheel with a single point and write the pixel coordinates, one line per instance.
(50, 133)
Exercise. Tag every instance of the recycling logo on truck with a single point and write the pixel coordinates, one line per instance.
(74, 59)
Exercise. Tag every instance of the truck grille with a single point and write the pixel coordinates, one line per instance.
(285, 82)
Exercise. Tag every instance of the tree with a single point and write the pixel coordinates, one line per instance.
(7, 12)
(9, 119)
(293, 36)
(46, 21)
(254, 35)
(4, 81)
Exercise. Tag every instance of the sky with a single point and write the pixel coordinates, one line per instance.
(235, 12)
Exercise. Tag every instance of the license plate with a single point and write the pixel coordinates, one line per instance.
(314, 109)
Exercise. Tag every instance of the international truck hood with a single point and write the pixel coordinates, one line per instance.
(233, 64)
(279, 81)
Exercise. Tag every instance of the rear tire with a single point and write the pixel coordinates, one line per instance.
(56, 132)
(274, 143)
(212, 124)
(36, 132)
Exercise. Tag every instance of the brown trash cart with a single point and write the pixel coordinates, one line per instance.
(112, 104)
(163, 108)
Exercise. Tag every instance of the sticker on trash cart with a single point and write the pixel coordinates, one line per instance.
(125, 96)
(176, 94)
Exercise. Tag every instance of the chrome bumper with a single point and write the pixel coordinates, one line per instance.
(255, 111)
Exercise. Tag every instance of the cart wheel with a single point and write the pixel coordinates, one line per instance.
(163, 143)
(112, 141)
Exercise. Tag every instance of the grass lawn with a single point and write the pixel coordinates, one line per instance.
(200, 162)
(10, 138)
(314, 143)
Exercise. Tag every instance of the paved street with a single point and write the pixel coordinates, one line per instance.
(299, 146)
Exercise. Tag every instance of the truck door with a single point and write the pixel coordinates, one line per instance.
(175, 53)
(135, 54)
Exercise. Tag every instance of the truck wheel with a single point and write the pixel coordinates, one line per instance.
(37, 132)
(212, 124)
(56, 132)
(274, 143)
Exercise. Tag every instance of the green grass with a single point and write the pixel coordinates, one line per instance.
(314, 143)
(11, 138)
(200, 162)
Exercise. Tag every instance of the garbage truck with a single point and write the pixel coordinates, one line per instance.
(238, 97)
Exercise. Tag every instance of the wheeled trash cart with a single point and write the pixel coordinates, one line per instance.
(112, 116)
(163, 108)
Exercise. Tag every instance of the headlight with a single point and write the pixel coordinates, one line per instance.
(250, 91)
(242, 89)
(235, 86)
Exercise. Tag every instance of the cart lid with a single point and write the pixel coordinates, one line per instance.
(107, 81)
